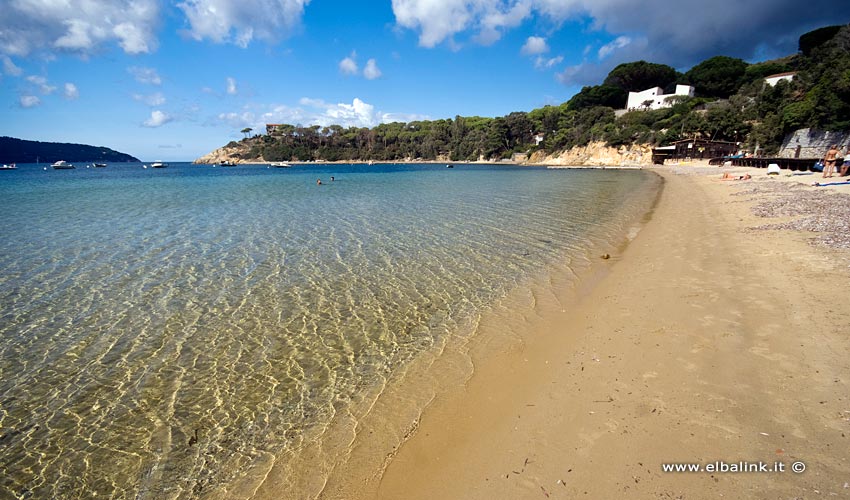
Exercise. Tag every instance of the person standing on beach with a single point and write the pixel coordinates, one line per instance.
(829, 160)
(846, 166)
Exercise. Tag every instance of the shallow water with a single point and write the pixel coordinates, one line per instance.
(164, 331)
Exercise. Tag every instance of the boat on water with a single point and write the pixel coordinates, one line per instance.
(450, 166)
(98, 165)
(227, 163)
(159, 164)
(9, 167)
(280, 164)
(62, 165)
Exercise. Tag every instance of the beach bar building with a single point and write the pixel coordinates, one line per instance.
(704, 148)
(696, 149)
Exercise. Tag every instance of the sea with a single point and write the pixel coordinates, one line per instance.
(192, 331)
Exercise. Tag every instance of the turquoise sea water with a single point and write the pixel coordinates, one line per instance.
(164, 331)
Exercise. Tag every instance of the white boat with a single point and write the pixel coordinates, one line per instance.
(159, 164)
(227, 163)
(280, 164)
(9, 167)
(98, 165)
(62, 165)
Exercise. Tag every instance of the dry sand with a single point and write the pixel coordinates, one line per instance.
(706, 341)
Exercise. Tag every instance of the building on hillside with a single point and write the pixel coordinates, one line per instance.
(538, 138)
(273, 128)
(772, 80)
(654, 98)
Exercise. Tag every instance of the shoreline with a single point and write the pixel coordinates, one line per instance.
(374, 433)
(695, 347)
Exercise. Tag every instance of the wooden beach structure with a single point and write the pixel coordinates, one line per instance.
(694, 149)
(725, 152)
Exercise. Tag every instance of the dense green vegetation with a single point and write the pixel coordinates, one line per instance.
(732, 103)
(20, 151)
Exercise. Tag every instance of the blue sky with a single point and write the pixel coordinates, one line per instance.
(174, 80)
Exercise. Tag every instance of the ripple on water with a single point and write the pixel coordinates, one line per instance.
(162, 336)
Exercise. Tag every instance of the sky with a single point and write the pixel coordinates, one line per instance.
(173, 80)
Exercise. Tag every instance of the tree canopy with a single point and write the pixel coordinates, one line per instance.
(719, 76)
(641, 75)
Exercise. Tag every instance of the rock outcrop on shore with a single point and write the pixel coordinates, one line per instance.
(234, 152)
(597, 154)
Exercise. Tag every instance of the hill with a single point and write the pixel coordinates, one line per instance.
(21, 151)
(733, 102)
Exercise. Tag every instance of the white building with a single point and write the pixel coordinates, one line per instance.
(772, 80)
(538, 138)
(655, 98)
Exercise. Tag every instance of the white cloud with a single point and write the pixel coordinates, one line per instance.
(231, 86)
(240, 22)
(78, 36)
(348, 66)
(440, 20)
(41, 83)
(29, 101)
(371, 71)
(9, 67)
(495, 20)
(145, 75)
(436, 20)
(157, 119)
(78, 26)
(71, 91)
(132, 38)
(534, 45)
(310, 111)
(357, 114)
(617, 44)
(547, 63)
(152, 100)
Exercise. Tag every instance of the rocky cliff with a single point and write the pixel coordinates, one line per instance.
(597, 154)
(235, 152)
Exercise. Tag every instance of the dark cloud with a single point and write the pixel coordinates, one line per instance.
(680, 34)
(685, 33)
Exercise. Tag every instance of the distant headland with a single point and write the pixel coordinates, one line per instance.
(21, 151)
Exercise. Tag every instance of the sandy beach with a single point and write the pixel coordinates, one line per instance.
(705, 340)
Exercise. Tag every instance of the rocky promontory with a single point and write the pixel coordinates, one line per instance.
(234, 152)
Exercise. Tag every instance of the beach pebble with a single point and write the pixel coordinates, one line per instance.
(808, 208)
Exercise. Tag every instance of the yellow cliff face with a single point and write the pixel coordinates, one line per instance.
(228, 153)
(598, 154)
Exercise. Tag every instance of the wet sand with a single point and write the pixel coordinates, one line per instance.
(704, 342)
